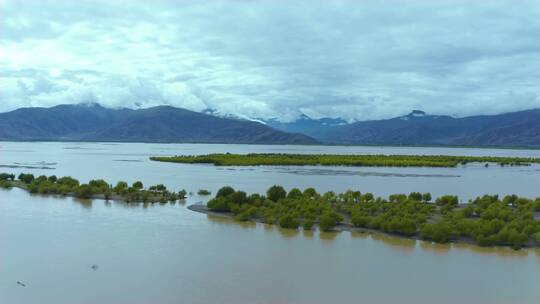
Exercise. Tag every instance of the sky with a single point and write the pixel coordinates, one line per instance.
(357, 60)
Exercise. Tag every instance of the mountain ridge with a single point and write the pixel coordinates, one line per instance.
(93, 122)
(157, 124)
(521, 128)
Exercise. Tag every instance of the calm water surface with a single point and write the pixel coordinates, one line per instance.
(168, 254)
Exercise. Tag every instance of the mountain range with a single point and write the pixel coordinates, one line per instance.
(92, 122)
(417, 128)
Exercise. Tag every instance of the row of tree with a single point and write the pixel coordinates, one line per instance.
(487, 220)
(95, 188)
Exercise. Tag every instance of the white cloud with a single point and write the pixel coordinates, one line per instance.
(358, 60)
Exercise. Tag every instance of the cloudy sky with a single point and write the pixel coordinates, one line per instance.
(354, 59)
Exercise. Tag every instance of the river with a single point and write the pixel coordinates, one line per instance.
(168, 254)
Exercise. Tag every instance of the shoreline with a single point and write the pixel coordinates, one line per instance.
(347, 227)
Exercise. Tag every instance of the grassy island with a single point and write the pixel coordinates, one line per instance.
(487, 220)
(100, 189)
(255, 159)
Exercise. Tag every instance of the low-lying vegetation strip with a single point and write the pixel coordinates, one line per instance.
(68, 186)
(254, 159)
(204, 192)
(487, 220)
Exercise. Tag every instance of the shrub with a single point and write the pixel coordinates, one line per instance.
(225, 191)
(203, 192)
(328, 221)
(275, 193)
(295, 193)
(218, 204)
(288, 221)
(308, 224)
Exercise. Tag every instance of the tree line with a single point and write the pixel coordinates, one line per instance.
(69, 186)
(486, 221)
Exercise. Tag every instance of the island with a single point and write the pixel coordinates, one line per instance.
(94, 189)
(357, 160)
(487, 220)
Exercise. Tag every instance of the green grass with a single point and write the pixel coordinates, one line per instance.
(272, 159)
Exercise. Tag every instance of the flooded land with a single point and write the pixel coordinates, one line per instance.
(69, 250)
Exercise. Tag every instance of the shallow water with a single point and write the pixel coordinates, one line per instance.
(168, 254)
(130, 162)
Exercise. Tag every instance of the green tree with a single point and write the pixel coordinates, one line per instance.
(308, 224)
(295, 193)
(275, 193)
(328, 220)
(225, 191)
(138, 185)
(121, 187)
(84, 191)
(288, 221)
(310, 193)
(182, 194)
(415, 196)
(218, 204)
(26, 178)
(238, 197)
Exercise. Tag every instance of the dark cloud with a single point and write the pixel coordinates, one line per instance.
(358, 60)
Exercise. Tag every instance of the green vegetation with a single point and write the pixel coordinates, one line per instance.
(228, 159)
(68, 186)
(486, 221)
(203, 192)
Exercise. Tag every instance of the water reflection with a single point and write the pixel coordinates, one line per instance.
(268, 227)
(242, 265)
(399, 243)
(327, 237)
(308, 233)
(495, 251)
(436, 248)
(287, 233)
(223, 220)
(359, 235)
(85, 203)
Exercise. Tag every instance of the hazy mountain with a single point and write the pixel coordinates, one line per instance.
(306, 125)
(509, 129)
(92, 122)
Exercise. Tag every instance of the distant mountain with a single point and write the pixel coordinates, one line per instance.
(92, 122)
(306, 125)
(418, 128)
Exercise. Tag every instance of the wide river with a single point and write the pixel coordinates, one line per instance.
(146, 253)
